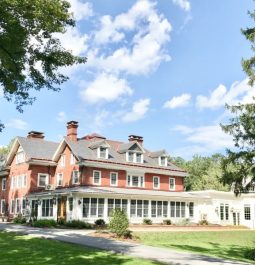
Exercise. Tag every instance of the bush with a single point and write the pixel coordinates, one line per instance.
(45, 223)
(203, 222)
(167, 222)
(128, 234)
(118, 223)
(78, 224)
(250, 254)
(147, 221)
(100, 222)
(19, 220)
(61, 221)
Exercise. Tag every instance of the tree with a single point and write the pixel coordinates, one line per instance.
(238, 165)
(204, 172)
(249, 64)
(30, 54)
(118, 223)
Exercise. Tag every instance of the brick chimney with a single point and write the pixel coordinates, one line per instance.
(72, 130)
(132, 138)
(35, 135)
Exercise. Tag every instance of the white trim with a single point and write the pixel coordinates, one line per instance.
(57, 179)
(170, 183)
(72, 159)
(106, 152)
(4, 179)
(100, 177)
(38, 179)
(117, 179)
(75, 183)
(156, 188)
(159, 161)
(3, 200)
(139, 180)
(62, 160)
(134, 157)
(56, 154)
(12, 206)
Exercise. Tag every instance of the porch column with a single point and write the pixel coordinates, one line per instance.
(128, 208)
(105, 209)
(149, 213)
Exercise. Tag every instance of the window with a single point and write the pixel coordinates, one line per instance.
(93, 207)
(114, 179)
(96, 177)
(19, 181)
(18, 208)
(191, 209)
(224, 212)
(134, 157)
(156, 182)
(72, 160)
(24, 180)
(171, 183)
(139, 208)
(116, 204)
(70, 203)
(135, 181)
(75, 177)
(163, 161)
(4, 184)
(12, 208)
(34, 208)
(159, 209)
(20, 156)
(3, 207)
(62, 160)
(177, 209)
(47, 208)
(102, 152)
(59, 179)
(247, 212)
(43, 180)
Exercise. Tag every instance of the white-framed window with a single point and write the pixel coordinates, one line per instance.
(162, 160)
(139, 208)
(177, 209)
(116, 204)
(156, 182)
(72, 159)
(171, 183)
(43, 180)
(114, 179)
(59, 179)
(3, 206)
(159, 209)
(224, 211)
(247, 212)
(93, 207)
(24, 180)
(134, 157)
(135, 181)
(62, 160)
(20, 156)
(102, 152)
(4, 182)
(75, 177)
(18, 206)
(12, 208)
(19, 181)
(47, 208)
(96, 177)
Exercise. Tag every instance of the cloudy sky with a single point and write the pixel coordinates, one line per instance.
(160, 69)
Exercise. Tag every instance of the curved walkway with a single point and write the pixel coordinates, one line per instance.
(82, 237)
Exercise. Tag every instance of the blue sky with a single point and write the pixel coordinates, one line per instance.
(160, 69)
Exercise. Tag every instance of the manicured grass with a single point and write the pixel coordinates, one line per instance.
(224, 244)
(25, 250)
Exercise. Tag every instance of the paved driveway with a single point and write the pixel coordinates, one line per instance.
(82, 237)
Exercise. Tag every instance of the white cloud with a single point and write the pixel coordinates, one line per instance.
(17, 124)
(183, 4)
(177, 102)
(61, 116)
(142, 51)
(239, 92)
(207, 139)
(105, 88)
(139, 109)
(80, 9)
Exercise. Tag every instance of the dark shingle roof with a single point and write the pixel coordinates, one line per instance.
(38, 149)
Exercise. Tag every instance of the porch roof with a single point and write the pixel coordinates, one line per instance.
(118, 191)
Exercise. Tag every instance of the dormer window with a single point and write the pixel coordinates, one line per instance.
(163, 161)
(134, 157)
(102, 152)
(20, 156)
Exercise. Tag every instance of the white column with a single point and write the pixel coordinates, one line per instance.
(149, 214)
(128, 208)
(105, 209)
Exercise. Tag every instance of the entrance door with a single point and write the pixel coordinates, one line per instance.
(62, 208)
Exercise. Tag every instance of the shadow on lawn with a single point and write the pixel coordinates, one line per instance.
(215, 249)
(22, 250)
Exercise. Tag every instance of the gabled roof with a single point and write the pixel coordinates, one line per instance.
(123, 148)
(158, 153)
(33, 148)
(100, 143)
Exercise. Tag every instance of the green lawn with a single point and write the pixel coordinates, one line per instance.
(19, 250)
(224, 244)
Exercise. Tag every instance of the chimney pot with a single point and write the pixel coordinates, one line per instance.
(72, 130)
(35, 135)
(132, 138)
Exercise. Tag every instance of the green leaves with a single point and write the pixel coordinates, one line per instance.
(30, 55)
